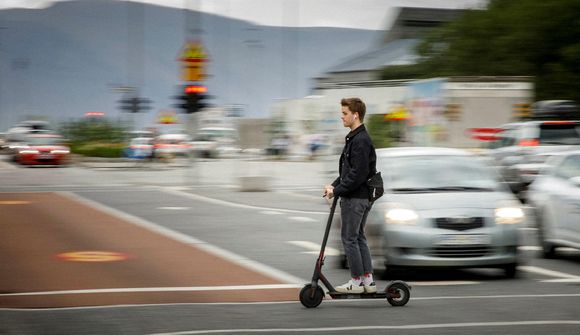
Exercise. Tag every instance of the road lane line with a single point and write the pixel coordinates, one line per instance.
(546, 272)
(443, 283)
(270, 213)
(562, 280)
(339, 301)
(157, 289)
(314, 248)
(228, 255)
(174, 208)
(234, 204)
(302, 219)
(366, 328)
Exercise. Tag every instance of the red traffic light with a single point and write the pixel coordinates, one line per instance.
(195, 89)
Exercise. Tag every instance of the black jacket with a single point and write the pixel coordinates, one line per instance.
(357, 163)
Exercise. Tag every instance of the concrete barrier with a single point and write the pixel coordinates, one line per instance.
(255, 183)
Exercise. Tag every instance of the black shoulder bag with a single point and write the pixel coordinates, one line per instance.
(375, 184)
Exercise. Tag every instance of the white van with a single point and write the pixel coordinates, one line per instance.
(213, 142)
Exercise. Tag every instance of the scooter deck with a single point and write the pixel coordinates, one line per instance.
(376, 295)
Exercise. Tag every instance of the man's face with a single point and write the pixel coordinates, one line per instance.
(347, 117)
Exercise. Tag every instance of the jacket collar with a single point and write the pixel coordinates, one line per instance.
(356, 131)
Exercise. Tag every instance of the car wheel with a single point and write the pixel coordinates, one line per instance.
(511, 270)
(548, 248)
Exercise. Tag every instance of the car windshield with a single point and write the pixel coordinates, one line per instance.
(45, 141)
(570, 167)
(141, 141)
(436, 173)
(559, 134)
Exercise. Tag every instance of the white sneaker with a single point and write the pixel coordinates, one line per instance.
(350, 287)
(370, 288)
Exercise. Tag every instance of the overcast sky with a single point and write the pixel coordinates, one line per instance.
(362, 14)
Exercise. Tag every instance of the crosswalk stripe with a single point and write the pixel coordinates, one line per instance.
(314, 248)
(302, 219)
(546, 272)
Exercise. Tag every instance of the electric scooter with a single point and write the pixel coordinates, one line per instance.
(397, 292)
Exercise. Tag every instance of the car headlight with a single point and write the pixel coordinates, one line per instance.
(62, 152)
(401, 215)
(509, 213)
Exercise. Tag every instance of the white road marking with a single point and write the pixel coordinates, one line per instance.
(339, 301)
(233, 204)
(505, 296)
(546, 272)
(158, 289)
(314, 248)
(271, 213)
(443, 283)
(366, 328)
(230, 256)
(302, 219)
(562, 280)
(175, 208)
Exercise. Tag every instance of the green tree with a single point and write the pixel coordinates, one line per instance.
(383, 132)
(535, 38)
(95, 137)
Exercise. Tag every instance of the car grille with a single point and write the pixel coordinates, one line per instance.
(459, 223)
(461, 252)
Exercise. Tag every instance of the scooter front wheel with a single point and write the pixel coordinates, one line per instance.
(398, 294)
(311, 297)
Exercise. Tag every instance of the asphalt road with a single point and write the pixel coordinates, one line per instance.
(180, 250)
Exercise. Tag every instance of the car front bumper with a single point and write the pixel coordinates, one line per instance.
(426, 247)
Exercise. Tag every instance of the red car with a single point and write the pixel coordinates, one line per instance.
(45, 149)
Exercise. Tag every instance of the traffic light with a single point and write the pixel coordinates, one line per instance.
(193, 99)
(135, 104)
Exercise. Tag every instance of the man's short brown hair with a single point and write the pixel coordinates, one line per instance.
(355, 105)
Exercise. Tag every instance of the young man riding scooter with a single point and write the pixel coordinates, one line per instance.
(357, 161)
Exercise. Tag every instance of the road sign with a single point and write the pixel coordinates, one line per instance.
(193, 59)
(167, 117)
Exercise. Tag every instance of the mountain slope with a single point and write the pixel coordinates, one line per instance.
(65, 60)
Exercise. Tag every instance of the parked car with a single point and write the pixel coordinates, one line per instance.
(140, 148)
(555, 196)
(522, 147)
(443, 207)
(172, 145)
(43, 149)
(205, 146)
(214, 142)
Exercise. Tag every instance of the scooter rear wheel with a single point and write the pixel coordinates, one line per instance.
(398, 294)
(310, 299)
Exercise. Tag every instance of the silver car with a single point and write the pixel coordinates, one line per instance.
(443, 207)
(555, 195)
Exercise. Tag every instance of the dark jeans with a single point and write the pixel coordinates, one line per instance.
(354, 213)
